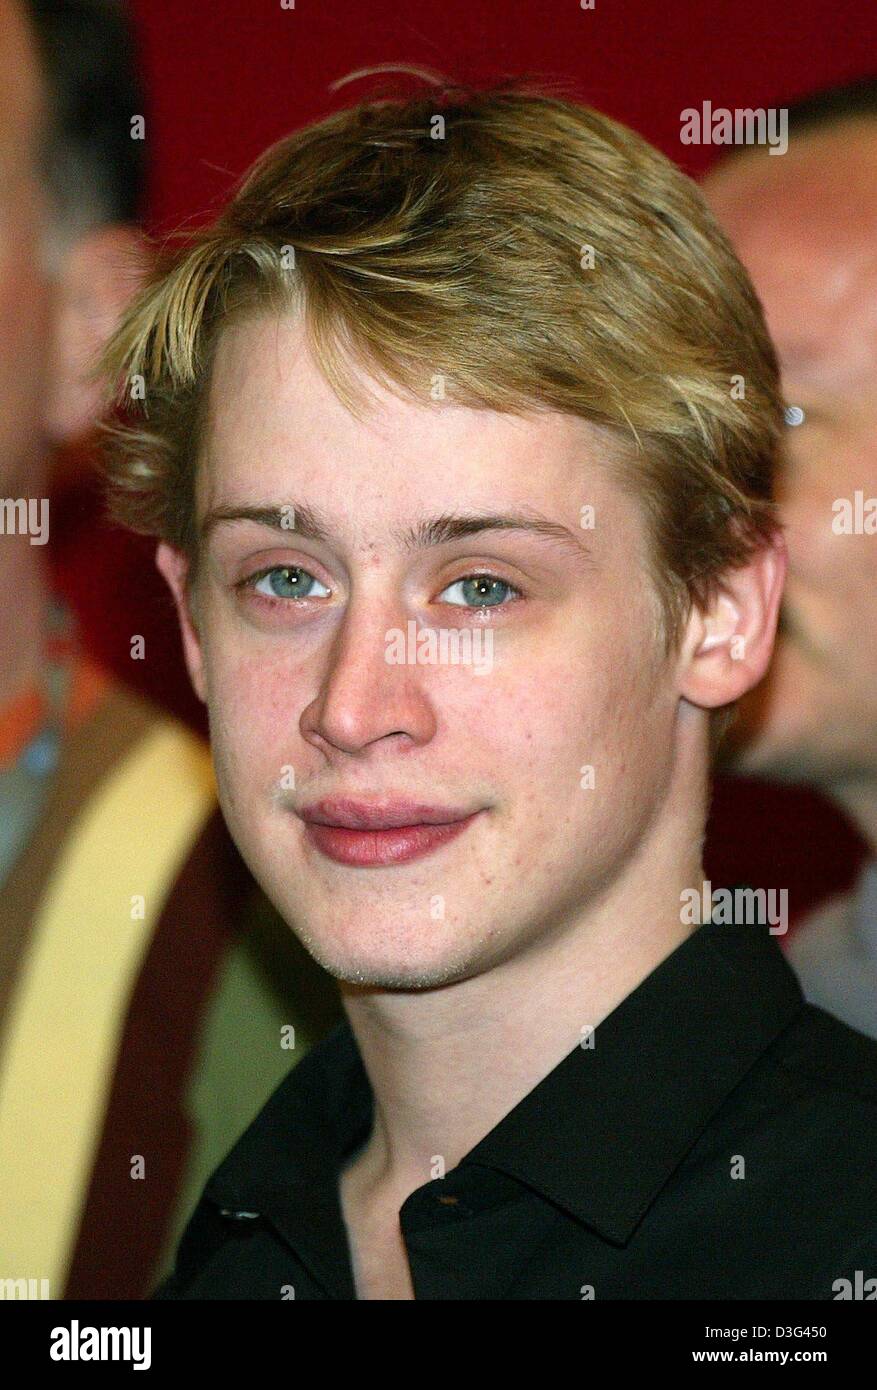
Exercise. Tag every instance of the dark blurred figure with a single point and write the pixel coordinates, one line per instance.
(805, 227)
(133, 943)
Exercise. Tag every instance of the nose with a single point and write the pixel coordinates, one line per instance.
(363, 697)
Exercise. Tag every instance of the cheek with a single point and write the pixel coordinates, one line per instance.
(616, 709)
(578, 726)
(253, 721)
(834, 470)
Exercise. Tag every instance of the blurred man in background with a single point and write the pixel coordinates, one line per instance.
(133, 943)
(805, 227)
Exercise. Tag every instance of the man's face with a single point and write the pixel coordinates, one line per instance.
(24, 294)
(805, 227)
(303, 703)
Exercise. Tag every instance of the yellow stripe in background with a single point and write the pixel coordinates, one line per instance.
(69, 1008)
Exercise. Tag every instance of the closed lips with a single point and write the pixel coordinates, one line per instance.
(350, 815)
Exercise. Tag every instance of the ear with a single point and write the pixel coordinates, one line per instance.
(98, 276)
(174, 565)
(727, 647)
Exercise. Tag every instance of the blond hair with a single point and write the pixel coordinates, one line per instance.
(531, 252)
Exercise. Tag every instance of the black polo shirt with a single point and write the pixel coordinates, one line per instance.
(719, 1140)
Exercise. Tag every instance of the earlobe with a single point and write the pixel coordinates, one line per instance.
(174, 566)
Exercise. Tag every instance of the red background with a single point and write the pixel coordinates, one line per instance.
(224, 78)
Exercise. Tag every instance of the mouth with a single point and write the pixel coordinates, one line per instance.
(369, 835)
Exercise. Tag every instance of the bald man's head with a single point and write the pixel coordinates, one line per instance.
(805, 227)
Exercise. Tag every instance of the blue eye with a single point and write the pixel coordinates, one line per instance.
(286, 581)
(481, 591)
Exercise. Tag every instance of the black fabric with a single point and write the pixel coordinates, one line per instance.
(718, 1141)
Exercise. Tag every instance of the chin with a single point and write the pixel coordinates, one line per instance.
(380, 959)
(380, 970)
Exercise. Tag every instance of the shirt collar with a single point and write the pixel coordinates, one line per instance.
(599, 1136)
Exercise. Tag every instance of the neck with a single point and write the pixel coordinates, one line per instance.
(446, 1065)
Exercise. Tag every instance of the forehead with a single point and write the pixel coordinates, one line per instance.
(275, 425)
(805, 226)
(21, 95)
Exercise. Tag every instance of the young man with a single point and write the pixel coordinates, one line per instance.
(477, 371)
(806, 228)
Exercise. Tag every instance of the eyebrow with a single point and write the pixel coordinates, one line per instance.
(310, 524)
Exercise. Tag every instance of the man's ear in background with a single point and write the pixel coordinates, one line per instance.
(99, 275)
